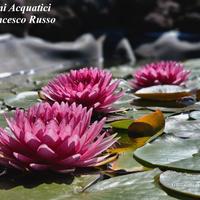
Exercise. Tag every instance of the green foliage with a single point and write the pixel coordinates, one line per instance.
(178, 149)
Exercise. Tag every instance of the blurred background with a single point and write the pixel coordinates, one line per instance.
(101, 33)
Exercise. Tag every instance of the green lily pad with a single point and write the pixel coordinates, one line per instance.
(45, 187)
(136, 186)
(124, 139)
(5, 85)
(187, 184)
(195, 115)
(135, 114)
(22, 100)
(3, 122)
(6, 89)
(5, 94)
(128, 187)
(126, 162)
(192, 64)
(171, 153)
(28, 87)
(126, 114)
(183, 128)
(121, 71)
(175, 110)
(40, 81)
(124, 102)
(122, 124)
(124, 85)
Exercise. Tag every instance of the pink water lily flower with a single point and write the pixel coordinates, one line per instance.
(54, 137)
(90, 87)
(160, 73)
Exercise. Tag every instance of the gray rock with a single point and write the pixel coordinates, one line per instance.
(33, 53)
(168, 46)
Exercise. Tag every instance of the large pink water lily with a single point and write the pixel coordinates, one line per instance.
(54, 137)
(90, 87)
(160, 73)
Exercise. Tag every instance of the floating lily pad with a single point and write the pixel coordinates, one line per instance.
(5, 94)
(187, 184)
(44, 187)
(166, 106)
(192, 64)
(5, 85)
(124, 102)
(175, 110)
(182, 127)
(135, 114)
(3, 122)
(22, 100)
(6, 89)
(40, 81)
(28, 87)
(124, 85)
(126, 162)
(150, 103)
(121, 71)
(122, 124)
(171, 153)
(195, 115)
(194, 83)
(146, 128)
(163, 93)
(127, 114)
(136, 186)
(135, 133)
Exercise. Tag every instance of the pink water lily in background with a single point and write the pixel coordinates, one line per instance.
(160, 73)
(90, 87)
(54, 137)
